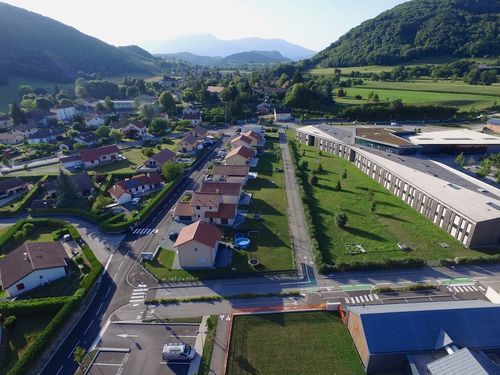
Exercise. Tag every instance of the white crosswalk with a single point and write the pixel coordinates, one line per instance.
(463, 288)
(138, 295)
(361, 299)
(144, 231)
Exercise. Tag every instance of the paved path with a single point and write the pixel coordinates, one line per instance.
(296, 221)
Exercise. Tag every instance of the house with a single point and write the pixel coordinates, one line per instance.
(87, 138)
(66, 114)
(134, 129)
(45, 136)
(188, 145)
(100, 155)
(156, 161)
(392, 338)
(207, 207)
(241, 155)
(71, 161)
(231, 173)
(41, 117)
(197, 245)
(493, 125)
(67, 144)
(6, 122)
(282, 114)
(11, 138)
(123, 105)
(12, 186)
(215, 90)
(31, 265)
(199, 132)
(95, 121)
(257, 139)
(230, 191)
(190, 111)
(83, 182)
(123, 191)
(26, 129)
(117, 125)
(241, 140)
(193, 118)
(264, 108)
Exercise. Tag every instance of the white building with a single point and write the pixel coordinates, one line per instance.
(66, 114)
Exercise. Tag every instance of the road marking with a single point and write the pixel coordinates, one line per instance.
(135, 305)
(108, 262)
(60, 369)
(126, 335)
(182, 336)
(120, 265)
(356, 299)
(108, 364)
(375, 296)
(85, 332)
(174, 363)
(99, 309)
(109, 290)
(70, 354)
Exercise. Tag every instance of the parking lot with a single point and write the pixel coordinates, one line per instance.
(131, 349)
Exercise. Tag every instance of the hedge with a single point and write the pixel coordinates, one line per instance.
(22, 307)
(21, 205)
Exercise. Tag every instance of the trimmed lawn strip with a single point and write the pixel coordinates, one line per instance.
(208, 346)
(380, 231)
(292, 343)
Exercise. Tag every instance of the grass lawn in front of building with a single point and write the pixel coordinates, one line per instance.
(292, 343)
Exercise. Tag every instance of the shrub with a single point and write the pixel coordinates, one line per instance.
(10, 323)
(313, 180)
(373, 206)
(344, 174)
(341, 219)
(338, 186)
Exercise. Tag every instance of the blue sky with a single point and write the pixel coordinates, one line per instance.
(311, 23)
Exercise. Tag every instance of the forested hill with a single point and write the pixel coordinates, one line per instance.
(39, 47)
(419, 29)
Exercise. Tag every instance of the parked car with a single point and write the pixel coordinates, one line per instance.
(178, 352)
(173, 235)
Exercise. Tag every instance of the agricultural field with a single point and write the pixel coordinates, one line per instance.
(378, 227)
(292, 343)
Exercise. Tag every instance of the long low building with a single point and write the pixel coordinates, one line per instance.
(464, 207)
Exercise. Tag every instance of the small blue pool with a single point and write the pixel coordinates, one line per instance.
(242, 242)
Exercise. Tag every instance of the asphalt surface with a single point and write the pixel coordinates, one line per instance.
(115, 289)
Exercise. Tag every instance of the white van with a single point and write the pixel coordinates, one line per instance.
(178, 352)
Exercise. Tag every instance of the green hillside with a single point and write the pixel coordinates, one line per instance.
(418, 29)
(35, 46)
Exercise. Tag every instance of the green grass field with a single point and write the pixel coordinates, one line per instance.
(293, 344)
(462, 101)
(378, 232)
(10, 92)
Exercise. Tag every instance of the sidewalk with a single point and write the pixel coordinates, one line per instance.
(296, 221)
(221, 342)
(194, 367)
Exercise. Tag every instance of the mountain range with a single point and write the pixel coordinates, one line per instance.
(416, 30)
(39, 47)
(209, 45)
(240, 58)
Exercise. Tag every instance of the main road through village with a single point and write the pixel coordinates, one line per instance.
(123, 273)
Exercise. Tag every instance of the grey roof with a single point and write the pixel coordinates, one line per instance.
(413, 327)
(464, 362)
(11, 183)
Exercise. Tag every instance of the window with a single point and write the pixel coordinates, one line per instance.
(41, 276)
(20, 286)
(195, 249)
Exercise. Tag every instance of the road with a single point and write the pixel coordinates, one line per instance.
(117, 282)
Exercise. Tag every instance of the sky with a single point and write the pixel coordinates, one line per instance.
(313, 24)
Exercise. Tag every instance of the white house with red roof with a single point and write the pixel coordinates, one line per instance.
(189, 144)
(197, 245)
(207, 207)
(256, 138)
(241, 140)
(155, 162)
(101, 155)
(123, 191)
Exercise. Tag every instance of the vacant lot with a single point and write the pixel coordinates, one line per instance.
(292, 343)
(378, 230)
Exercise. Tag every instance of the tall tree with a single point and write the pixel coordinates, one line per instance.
(167, 103)
(17, 115)
(66, 190)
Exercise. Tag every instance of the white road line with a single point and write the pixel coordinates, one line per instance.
(346, 300)
(136, 231)
(459, 289)
(370, 297)
(140, 289)
(120, 265)
(181, 336)
(135, 305)
(60, 369)
(156, 230)
(109, 290)
(70, 354)
(108, 262)
(357, 299)
(99, 309)
(352, 300)
(375, 296)
(85, 332)
(108, 364)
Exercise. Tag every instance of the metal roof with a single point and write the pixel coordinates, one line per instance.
(414, 327)
(464, 361)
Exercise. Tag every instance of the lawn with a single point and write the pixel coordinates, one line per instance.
(292, 343)
(134, 155)
(463, 101)
(377, 231)
(15, 342)
(121, 166)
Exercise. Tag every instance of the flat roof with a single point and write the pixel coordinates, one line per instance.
(387, 136)
(455, 137)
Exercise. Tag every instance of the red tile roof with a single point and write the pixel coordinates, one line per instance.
(243, 138)
(224, 188)
(163, 156)
(116, 191)
(231, 170)
(189, 139)
(206, 199)
(225, 211)
(183, 209)
(96, 153)
(254, 135)
(124, 186)
(200, 232)
(243, 151)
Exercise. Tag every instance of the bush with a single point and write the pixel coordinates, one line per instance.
(338, 186)
(10, 323)
(344, 174)
(313, 180)
(341, 219)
